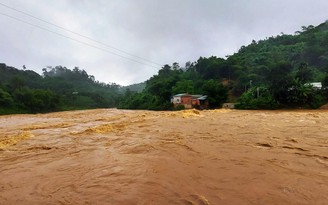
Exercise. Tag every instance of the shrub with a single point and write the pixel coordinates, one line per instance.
(5, 99)
(254, 100)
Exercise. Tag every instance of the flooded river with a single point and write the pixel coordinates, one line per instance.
(109, 156)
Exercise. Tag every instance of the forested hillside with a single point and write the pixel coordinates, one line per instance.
(268, 74)
(273, 73)
(59, 88)
(138, 87)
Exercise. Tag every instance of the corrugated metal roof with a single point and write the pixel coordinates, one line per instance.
(181, 94)
(199, 97)
(204, 97)
(315, 84)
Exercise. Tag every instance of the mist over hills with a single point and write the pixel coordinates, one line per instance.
(280, 66)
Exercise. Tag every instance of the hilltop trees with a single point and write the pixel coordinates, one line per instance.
(281, 68)
(24, 91)
(286, 65)
(267, 74)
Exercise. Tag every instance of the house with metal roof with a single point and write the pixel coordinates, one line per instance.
(190, 101)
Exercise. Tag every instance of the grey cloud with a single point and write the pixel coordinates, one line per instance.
(161, 31)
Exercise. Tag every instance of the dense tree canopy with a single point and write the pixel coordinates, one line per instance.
(267, 74)
(282, 66)
(59, 88)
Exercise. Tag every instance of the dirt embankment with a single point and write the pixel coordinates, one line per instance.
(187, 157)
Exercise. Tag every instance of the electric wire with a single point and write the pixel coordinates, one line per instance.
(81, 42)
(78, 34)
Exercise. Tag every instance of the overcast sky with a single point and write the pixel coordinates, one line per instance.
(158, 31)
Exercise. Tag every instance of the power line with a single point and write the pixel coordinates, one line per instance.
(73, 39)
(78, 34)
(73, 32)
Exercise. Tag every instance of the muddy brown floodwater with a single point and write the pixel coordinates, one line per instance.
(109, 156)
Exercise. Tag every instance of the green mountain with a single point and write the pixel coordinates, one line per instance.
(306, 47)
(267, 74)
(277, 72)
(137, 87)
(59, 88)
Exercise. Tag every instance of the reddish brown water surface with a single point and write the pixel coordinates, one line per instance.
(142, 157)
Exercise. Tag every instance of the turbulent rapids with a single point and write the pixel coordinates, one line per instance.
(109, 156)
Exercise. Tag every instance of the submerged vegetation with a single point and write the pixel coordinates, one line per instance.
(268, 74)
